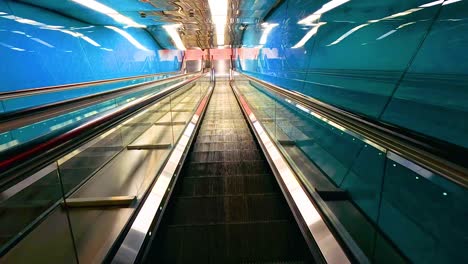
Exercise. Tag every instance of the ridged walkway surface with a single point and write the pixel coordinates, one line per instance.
(227, 206)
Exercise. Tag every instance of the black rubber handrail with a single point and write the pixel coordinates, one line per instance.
(34, 157)
(62, 87)
(443, 158)
(71, 86)
(28, 116)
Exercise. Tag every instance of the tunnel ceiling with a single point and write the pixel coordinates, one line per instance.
(196, 30)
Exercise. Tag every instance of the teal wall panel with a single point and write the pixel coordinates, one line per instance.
(400, 62)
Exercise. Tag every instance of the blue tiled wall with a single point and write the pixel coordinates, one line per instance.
(402, 62)
(42, 48)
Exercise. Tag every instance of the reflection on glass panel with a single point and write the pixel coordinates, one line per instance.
(397, 211)
(424, 213)
(149, 138)
(309, 142)
(364, 179)
(53, 125)
(103, 182)
(79, 165)
(22, 208)
(27, 101)
(396, 61)
(65, 122)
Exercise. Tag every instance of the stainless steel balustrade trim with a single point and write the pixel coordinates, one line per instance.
(63, 87)
(37, 114)
(142, 107)
(308, 213)
(16, 165)
(133, 241)
(385, 140)
(335, 125)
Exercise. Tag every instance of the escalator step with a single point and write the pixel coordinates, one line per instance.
(228, 156)
(224, 146)
(232, 168)
(262, 242)
(224, 138)
(227, 206)
(227, 209)
(229, 185)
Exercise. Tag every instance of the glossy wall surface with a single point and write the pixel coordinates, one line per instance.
(39, 47)
(422, 213)
(401, 62)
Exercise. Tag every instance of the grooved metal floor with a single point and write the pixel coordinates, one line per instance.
(227, 206)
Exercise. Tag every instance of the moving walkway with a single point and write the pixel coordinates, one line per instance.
(227, 207)
(219, 171)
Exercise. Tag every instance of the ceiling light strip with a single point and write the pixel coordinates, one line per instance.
(219, 11)
(172, 31)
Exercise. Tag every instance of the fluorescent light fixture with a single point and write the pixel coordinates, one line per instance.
(18, 32)
(395, 30)
(54, 27)
(90, 41)
(345, 35)
(330, 5)
(448, 2)
(103, 9)
(172, 31)
(129, 37)
(404, 13)
(220, 39)
(306, 38)
(51, 27)
(400, 14)
(309, 20)
(88, 27)
(27, 21)
(312, 19)
(79, 35)
(219, 10)
(43, 42)
(325, 8)
(438, 2)
(268, 27)
(71, 33)
(11, 47)
(406, 24)
(386, 34)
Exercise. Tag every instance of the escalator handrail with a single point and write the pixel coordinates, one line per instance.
(40, 154)
(443, 158)
(62, 87)
(28, 116)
